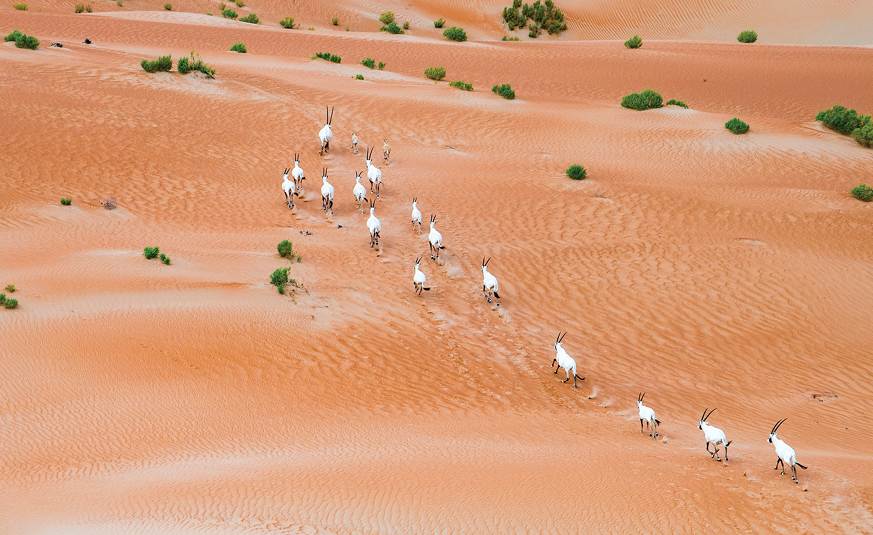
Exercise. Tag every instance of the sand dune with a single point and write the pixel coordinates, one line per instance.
(704, 268)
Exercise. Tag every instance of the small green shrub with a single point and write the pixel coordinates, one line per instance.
(327, 56)
(461, 85)
(229, 14)
(280, 288)
(863, 193)
(435, 73)
(10, 303)
(406, 25)
(841, 119)
(13, 36)
(576, 172)
(279, 277)
(239, 3)
(311, 29)
(369, 62)
(23, 40)
(634, 42)
(392, 28)
(193, 63)
(864, 134)
(543, 16)
(20, 7)
(163, 63)
(455, 34)
(10, 288)
(513, 38)
(439, 23)
(251, 19)
(168, 6)
(286, 249)
(151, 252)
(334, 21)
(646, 100)
(748, 36)
(359, 76)
(238, 47)
(184, 66)
(287, 23)
(386, 18)
(504, 91)
(2, 298)
(165, 259)
(674, 102)
(66, 202)
(736, 126)
(381, 65)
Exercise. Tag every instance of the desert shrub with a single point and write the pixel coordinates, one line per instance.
(327, 56)
(392, 28)
(66, 202)
(286, 249)
(461, 85)
(634, 42)
(864, 134)
(280, 288)
(736, 126)
(841, 119)
(287, 23)
(240, 3)
(513, 38)
(194, 63)
(543, 16)
(863, 193)
(359, 76)
(120, 3)
(674, 102)
(334, 21)
(238, 47)
(2, 298)
(576, 172)
(381, 65)
(435, 73)
(251, 19)
(24, 40)
(504, 91)
(439, 23)
(369, 62)
(279, 277)
(13, 36)
(168, 6)
(10, 288)
(184, 66)
(10, 303)
(311, 29)
(165, 259)
(151, 252)
(748, 36)
(455, 34)
(406, 25)
(163, 63)
(229, 14)
(386, 18)
(20, 7)
(646, 100)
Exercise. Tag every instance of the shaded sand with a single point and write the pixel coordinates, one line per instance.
(704, 268)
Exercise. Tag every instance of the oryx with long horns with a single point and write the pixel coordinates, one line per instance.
(326, 133)
(565, 361)
(714, 436)
(784, 452)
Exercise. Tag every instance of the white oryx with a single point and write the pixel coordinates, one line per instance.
(326, 193)
(784, 452)
(647, 415)
(360, 192)
(289, 189)
(489, 282)
(564, 360)
(416, 216)
(374, 226)
(373, 173)
(325, 134)
(714, 436)
(418, 278)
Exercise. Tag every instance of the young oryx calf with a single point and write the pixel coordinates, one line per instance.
(435, 239)
(288, 188)
(326, 193)
(374, 226)
(360, 192)
(648, 415)
(564, 361)
(386, 150)
(326, 133)
(714, 436)
(355, 142)
(784, 452)
(489, 282)
(373, 173)
(418, 278)
(298, 174)
(416, 216)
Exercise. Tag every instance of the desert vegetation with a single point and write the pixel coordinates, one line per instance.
(8, 302)
(229, 14)
(513, 38)
(10, 288)
(504, 91)
(634, 42)
(151, 252)
(576, 172)
(194, 63)
(327, 56)
(279, 279)
(238, 47)
(83, 8)
(674, 102)
(439, 23)
(389, 24)
(542, 16)
(461, 85)
(22, 40)
(334, 21)
(435, 73)
(736, 126)
(849, 122)
(162, 64)
(252, 18)
(863, 193)
(287, 23)
(66, 202)
(647, 100)
(455, 34)
(748, 36)
(371, 63)
(20, 7)
(286, 250)
(168, 6)
(359, 77)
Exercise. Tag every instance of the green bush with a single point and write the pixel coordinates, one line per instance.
(543, 16)
(843, 120)
(287, 23)
(455, 34)
(238, 47)
(406, 25)
(280, 288)
(381, 65)
(334, 21)
(513, 38)
(279, 277)
(66, 202)
(240, 3)
(359, 76)
(165, 259)
(736, 126)
(646, 100)
(369, 62)
(674, 102)
(327, 56)
(10, 303)
(20, 7)
(193, 63)
(251, 19)
(461, 85)
(163, 63)
(634, 42)
(439, 23)
(10, 288)
(151, 252)
(435, 73)
(13, 36)
(23, 40)
(386, 18)
(286, 249)
(576, 172)
(184, 66)
(863, 193)
(168, 6)
(80, 8)
(748, 36)
(864, 134)
(2, 298)
(504, 91)
(392, 28)
(229, 14)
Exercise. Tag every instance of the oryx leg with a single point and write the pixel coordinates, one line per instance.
(707, 449)
(715, 447)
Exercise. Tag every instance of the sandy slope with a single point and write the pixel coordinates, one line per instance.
(704, 268)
